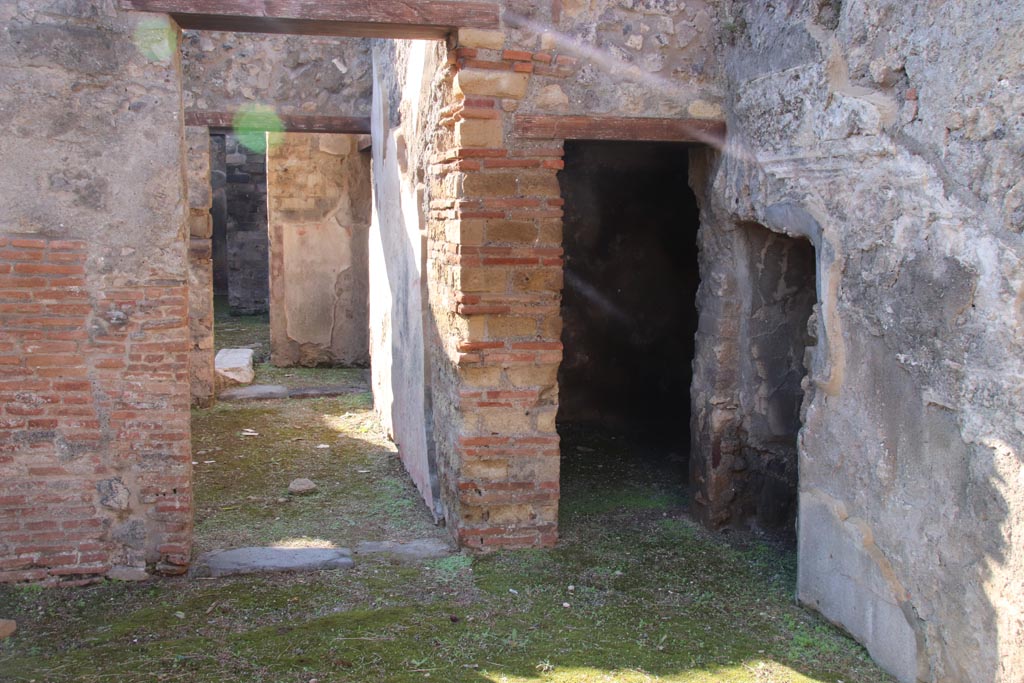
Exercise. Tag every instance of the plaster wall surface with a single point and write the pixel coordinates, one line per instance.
(318, 190)
(399, 317)
(94, 432)
(897, 153)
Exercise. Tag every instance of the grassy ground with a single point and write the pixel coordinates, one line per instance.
(635, 591)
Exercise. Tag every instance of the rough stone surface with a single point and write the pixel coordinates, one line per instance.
(254, 392)
(301, 486)
(293, 74)
(246, 240)
(262, 560)
(319, 208)
(200, 261)
(234, 366)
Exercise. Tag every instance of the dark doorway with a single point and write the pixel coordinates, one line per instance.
(628, 311)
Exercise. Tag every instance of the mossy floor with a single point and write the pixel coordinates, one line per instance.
(635, 591)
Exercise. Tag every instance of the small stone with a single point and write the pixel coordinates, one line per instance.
(7, 628)
(234, 366)
(301, 486)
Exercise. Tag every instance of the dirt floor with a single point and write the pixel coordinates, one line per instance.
(635, 590)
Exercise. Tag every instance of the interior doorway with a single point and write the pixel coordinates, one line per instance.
(628, 312)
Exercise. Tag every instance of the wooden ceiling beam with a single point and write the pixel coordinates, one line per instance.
(424, 19)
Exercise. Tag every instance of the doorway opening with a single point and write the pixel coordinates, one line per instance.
(778, 281)
(629, 319)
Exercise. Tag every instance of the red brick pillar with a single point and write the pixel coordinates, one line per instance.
(499, 264)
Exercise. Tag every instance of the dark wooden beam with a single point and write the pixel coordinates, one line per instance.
(293, 123)
(428, 19)
(542, 127)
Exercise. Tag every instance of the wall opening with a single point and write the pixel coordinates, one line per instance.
(628, 310)
(778, 302)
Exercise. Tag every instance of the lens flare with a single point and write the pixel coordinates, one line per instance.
(258, 127)
(156, 39)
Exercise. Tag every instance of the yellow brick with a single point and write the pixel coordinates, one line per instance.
(501, 230)
(485, 279)
(505, 420)
(551, 327)
(539, 185)
(504, 326)
(491, 83)
(474, 37)
(537, 280)
(511, 514)
(489, 185)
(546, 421)
(492, 470)
(476, 328)
(468, 231)
(481, 377)
(479, 133)
(550, 231)
(533, 376)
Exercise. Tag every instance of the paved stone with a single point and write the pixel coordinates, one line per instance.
(255, 392)
(233, 366)
(422, 549)
(7, 628)
(301, 486)
(255, 560)
(123, 573)
(326, 391)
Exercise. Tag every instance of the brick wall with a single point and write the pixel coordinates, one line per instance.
(496, 259)
(94, 432)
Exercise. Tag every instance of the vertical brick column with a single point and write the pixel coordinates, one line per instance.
(496, 258)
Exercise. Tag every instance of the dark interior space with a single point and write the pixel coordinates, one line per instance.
(628, 304)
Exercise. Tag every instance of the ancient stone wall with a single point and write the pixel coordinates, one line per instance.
(235, 72)
(318, 190)
(896, 153)
(200, 261)
(94, 434)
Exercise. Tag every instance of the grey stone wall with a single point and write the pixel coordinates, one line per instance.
(229, 72)
(896, 152)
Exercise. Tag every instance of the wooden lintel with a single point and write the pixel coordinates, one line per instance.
(428, 19)
(543, 127)
(292, 123)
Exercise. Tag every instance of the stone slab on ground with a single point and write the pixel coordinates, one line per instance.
(255, 560)
(255, 392)
(421, 549)
(325, 391)
(233, 367)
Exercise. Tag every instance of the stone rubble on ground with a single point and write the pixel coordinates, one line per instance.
(7, 628)
(301, 486)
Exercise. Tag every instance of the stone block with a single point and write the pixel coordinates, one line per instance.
(479, 133)
(503, 326)
(474, 37)
(501, 230)
(233, 367)
(492, 83)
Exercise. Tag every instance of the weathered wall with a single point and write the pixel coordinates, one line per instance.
(200, 262)
(318, 189)
(246, 230)
(231, 72)
(651, 58)
(219, 212)
(897, 153)
(94, 433)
